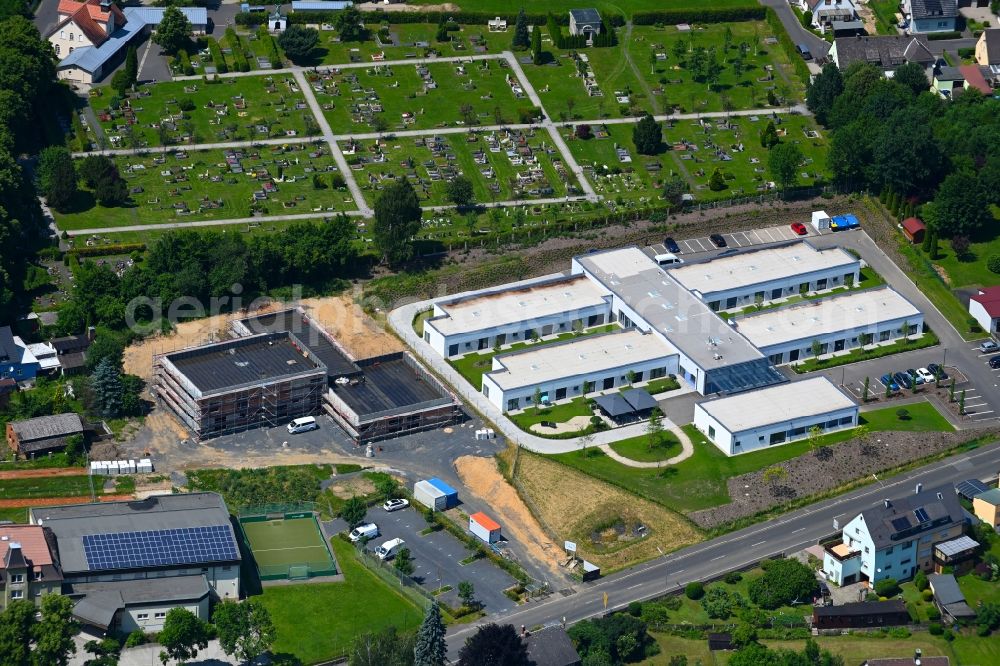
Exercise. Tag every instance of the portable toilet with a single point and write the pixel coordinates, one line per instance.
(450, 494)
(484, 527)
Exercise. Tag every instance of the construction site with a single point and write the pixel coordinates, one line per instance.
(283, 365)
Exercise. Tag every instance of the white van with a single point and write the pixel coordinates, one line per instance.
(667, 259)
(304, 424)
(365, 531)
(389, 549)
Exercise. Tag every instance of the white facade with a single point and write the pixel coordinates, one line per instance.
(150, 619)
(980, 306)
(774, 415)
(504, 316)
(223, 579)
(837, 323)
(567, 370)
(767, 275)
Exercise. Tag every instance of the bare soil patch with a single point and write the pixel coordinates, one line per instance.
(580, 508)
(36, 473)
(361, 335)
(56, 501)
(378, 7)
(355, 485)
(481, 476)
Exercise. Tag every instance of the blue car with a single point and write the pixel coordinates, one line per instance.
(889, 381)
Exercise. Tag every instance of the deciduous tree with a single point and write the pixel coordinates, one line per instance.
(298, 42)
(397, 220)
(174, 31)
(647, 135)
(245, 629)
(494, 644)
(183, 635)
(783, 162)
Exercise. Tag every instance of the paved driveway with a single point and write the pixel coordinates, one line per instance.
(702, 247)
(436, 558)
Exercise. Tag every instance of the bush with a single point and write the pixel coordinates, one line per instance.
(694, 590)
(135, 639)
(186, 104)
(926, 595)
(920, 580)
(719, 603)
(933, 614)
(993, 263)
(635, 609)
(948, 634)
(733, 577)
(184, 62)
(751, 12)
(217, 57)
(935, 36)
(935, 629)
(887, 587)
(672, 603)
(783, 582)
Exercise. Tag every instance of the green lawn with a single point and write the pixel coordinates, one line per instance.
(236, 109)
(53, 486)
(637, 448)
(971, 270)
(331, 51)
(16, 515)
(556, 413)
(317, 621)
(700, 481)
(936, 290)
(201, 185)
(606, 7)
(472, 366)
(928, 339)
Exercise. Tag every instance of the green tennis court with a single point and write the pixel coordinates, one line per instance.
(288, 548)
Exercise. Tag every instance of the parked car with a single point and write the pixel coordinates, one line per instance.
(304, 424)
(718, 240)
(395, 504)
(995, 362)
(389, 549)
(926, 375)
(365, 531)
(671, 245)
(903, 380)
(937, 370)
(989, 347)
(799, 228)
(915, 376)
(889, 381)
(804, 51)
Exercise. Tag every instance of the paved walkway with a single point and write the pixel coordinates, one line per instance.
(222, 145)
(338, 156)
(687, 450)
(401, 321)
(208, 223)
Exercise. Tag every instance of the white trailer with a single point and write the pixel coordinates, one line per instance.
(430, 496)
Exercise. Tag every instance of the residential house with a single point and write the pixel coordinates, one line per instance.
(29, 565)
(72, 351)
(887, 52)
(948, 81)
(988, 48)
(825, 12)
(551, 646)
(40, 435)
(949, 598)
(862, 614)
(917, 660)
(986, 506)
(984, 306)
(584, 22)
(931, 15)
(84, 24)
(895, 538)
(16, 360)
(955, 556)
(126, 564)
(975, 78)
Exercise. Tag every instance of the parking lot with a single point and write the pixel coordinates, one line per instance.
(436, 558)
(740, 239)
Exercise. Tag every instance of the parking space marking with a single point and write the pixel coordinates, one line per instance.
(768, 232)
(747, 238)
(700, 244)
(733, 237)
(659, 248)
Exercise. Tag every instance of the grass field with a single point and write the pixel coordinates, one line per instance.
(411, 40)
(694, 152)
(589, 512)
(15, 515)
(53, 486)
(201, 185)
(556, 413)
(638, 448)
(606, 7)
(279, 543)
(236, 109)
(408, 97)
(700, 481)
(317, 621)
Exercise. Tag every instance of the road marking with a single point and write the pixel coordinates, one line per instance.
(738, 244)
(701, 245)
(768, 232)
(678, 571)
(717, 558)
(634, 586)
(801, 529)
(759, 543)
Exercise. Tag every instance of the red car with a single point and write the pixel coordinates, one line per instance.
(799, 228)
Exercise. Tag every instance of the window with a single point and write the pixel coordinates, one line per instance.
(142, 616)
(731, 302)
(62, 34)
(159, 615)
(714, 305)
(227, 568)
(71, 36)
(888, 551)
(656, 373)
(887, 567)
(777, 438)
(486, 390)
(906, 561)
(846, 420)
(711, 432)
(17, 594)
(17, 578)
(36, 575)
(427, 336)
(866, 549)
(57, 49)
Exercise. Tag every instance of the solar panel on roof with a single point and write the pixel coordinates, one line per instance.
(185, 545)
(901, 523)
(921, 514)
(970, 488)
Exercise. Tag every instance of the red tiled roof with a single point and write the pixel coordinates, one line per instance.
(989, 298)
(974, 77)
(913, 225)
(32, 540)
(91, 18)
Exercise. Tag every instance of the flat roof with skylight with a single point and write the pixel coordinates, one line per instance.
(670, 309)
(586, 355)
(776, 404)
(502, 308)
(753, 267)
(811, 319)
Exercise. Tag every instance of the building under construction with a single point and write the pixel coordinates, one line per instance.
(250, 382)
(371, 399)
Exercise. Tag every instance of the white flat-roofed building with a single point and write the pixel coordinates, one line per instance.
(775, 415)
(712, 356)
(768, 274)
(583, 365)
(502, 316)
(837, 323)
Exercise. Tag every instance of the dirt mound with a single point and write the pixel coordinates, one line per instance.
(481, 476)
(361, 335)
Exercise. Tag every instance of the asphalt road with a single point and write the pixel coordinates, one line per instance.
(787, 534)
(817, 46)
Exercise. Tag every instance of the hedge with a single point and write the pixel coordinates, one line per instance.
(934, 36)
(105, 250)
(789, 47)
(271, 45)
(751, 12)
(184, 62)
(217, 57)
(461, 18)
(240, 62)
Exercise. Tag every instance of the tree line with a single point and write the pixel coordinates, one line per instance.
(894, 135)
